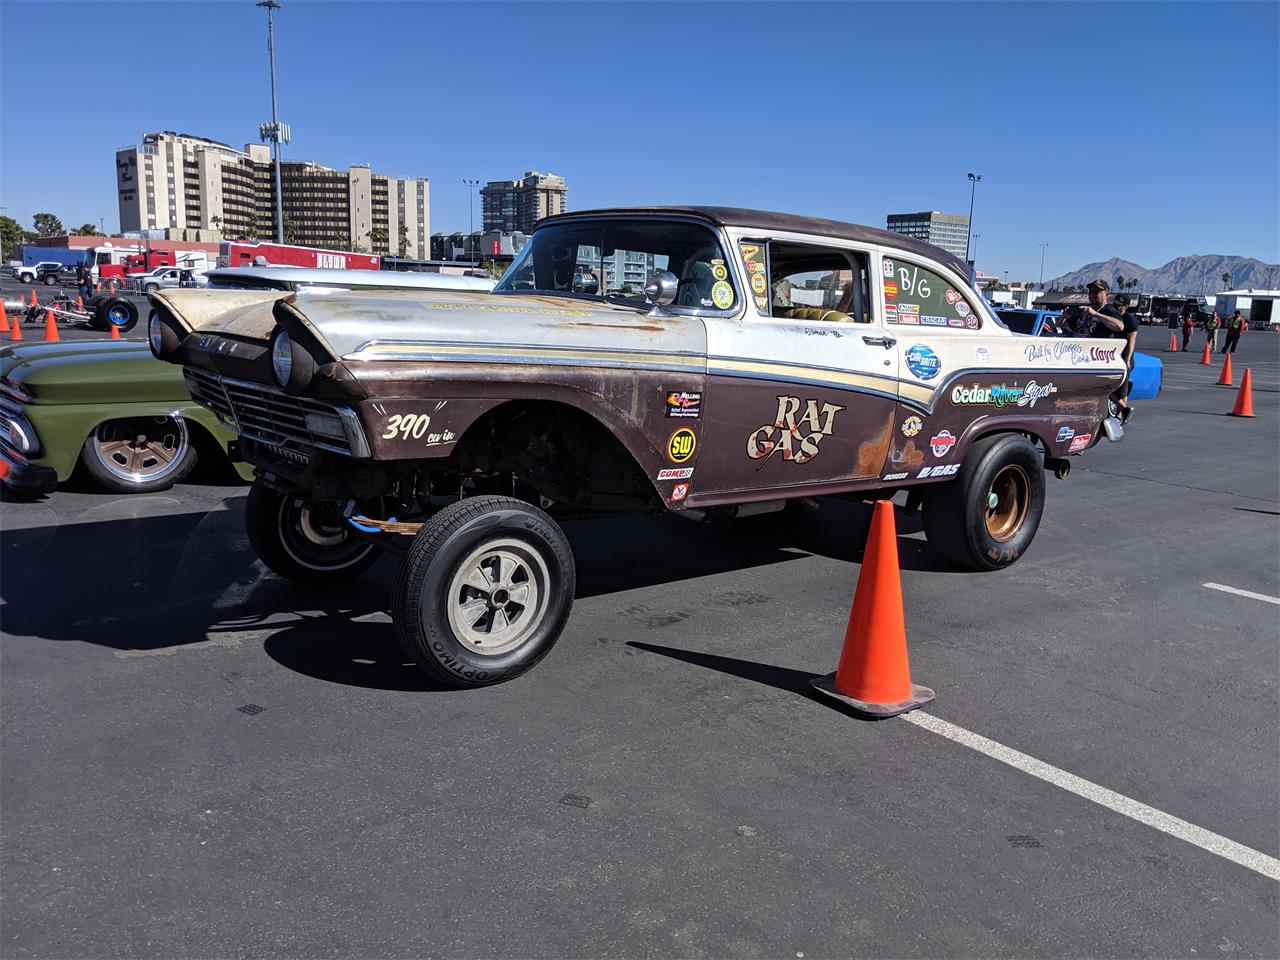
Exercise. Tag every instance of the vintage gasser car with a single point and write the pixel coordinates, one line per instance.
(694, 359)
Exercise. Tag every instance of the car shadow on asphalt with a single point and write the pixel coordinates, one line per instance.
(795, 682)
(151, 583)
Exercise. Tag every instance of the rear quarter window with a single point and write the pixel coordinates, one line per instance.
(918, 296)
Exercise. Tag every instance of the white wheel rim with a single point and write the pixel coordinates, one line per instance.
(498, 596)
(138, 451)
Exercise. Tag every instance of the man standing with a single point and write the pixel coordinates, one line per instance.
(1211, 332)
(1188, 324)
(84, 280)
(1235, 327)
(1101, 319)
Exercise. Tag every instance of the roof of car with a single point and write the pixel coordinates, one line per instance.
(768, 221)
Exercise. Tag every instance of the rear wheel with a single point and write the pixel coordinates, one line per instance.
(987, 517)
(139, 454)
(150, 288)
(304, 540)
(484, 591)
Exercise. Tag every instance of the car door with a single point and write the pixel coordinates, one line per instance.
(801, 388)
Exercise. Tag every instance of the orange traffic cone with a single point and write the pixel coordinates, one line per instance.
(97, 287)
(873, 676)
(33, 298)
(1225, 379)
(1173, 343)
(50, 327)
(15, 332)
(115, 331)
(1244, 398)
(79, 302)
(1204, 357)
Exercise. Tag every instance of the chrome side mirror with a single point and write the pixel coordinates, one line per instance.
(585, 283)
(660, 290)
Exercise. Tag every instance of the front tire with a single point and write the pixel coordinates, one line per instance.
(139, 454)
(115, 311)
(987, 517)
(484, 591)
(307, 541)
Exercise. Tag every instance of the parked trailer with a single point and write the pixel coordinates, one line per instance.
(235, 253)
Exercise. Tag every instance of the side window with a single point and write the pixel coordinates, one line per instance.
(915, 295)
(802, 282)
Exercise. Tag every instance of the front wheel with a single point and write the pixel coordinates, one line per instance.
(115, 311)
(484, 591)
(139, 454)
(987, 517)
(308, 541)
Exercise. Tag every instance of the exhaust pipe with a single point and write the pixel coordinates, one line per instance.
(1060, 466)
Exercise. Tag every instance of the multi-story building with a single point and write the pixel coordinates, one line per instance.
(508, 206)
(178, 182)
(945, 230)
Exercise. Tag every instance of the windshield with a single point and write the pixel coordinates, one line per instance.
(612, 259)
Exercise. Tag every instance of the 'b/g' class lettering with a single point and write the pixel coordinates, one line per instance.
(795, 432)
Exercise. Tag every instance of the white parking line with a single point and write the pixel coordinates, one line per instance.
(1214, 843)
(1242, 593)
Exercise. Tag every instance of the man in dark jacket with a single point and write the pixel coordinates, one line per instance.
(1100, 320)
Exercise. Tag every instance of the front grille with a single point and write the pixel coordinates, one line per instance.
(272, 417)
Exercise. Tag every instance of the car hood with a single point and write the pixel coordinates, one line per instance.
(407, 324)
(95, 371)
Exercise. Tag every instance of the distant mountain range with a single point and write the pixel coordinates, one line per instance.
(1183, 276)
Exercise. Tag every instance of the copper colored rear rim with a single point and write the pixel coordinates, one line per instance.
(1009, 498)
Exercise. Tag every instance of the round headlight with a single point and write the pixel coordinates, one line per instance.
(154, 333)
(282, 357)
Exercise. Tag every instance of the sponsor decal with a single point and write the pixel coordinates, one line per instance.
(972, 322)
(718, 270)
(679, 492)
(887, 268)
(675, 473)
(1072, 352)
(946, 470)
(923, 362)
(1033, 392)
(931, 321)
(908, 318)
(953, 297)
(955, 322)
(752, 266)
(890, 289)
(941, 444)
(908, 308)
(681, 445)
(982, 354)
(758, 283)
(996, 395)
(896, 476)
(962, 308)
(1065, 433)
(722, 295)
(682, 403)
(911, 426)
(1080, 442)
(795, 431)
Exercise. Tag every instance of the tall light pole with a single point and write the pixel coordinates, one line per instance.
(973, 187)
(976, 238)
(471, 213)
(1043, 244)
(275, 131)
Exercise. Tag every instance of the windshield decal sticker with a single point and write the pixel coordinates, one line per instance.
(722, 294)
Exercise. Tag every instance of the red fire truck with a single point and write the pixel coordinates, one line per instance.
(235, 253)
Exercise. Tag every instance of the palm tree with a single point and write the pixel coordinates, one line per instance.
(1226, 281)
(1120, 281)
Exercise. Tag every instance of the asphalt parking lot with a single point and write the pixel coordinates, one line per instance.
(201, 759)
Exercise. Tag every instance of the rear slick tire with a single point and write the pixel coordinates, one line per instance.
(483, 592)
(987, 517)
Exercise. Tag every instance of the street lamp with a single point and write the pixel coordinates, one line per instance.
(973, 186)
(1043, 244)
(275, 131)
(471, 213)
(976, 238)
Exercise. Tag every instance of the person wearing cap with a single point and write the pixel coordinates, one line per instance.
(1100, 319)
(1235, 327)
(1211, 326)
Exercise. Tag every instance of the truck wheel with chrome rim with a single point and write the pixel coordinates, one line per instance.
(139, 454)
(309, 541)
(484, 591)
(987, 517)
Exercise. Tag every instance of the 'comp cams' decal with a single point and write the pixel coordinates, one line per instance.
(923, 362)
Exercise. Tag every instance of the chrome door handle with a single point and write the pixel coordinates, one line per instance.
(885, 342)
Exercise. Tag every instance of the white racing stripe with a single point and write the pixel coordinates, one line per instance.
(1214, 843)
(1241, 593)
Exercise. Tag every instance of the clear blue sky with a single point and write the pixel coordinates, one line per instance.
(1146, 130)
